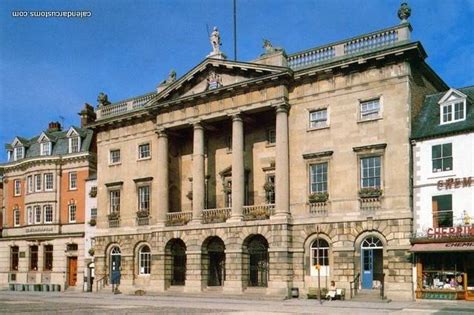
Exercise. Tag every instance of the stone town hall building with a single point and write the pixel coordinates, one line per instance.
(244, 176)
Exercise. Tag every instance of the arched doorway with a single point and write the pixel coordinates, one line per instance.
(371, 261)
(115, 264)
(178, 261)
(257, 247)
(215, 262)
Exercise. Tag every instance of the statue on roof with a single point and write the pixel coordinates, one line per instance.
(171, 78)
(269, 49)
(103, 99)
(404, 12)
(215, 41)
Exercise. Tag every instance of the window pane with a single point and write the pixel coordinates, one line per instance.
(447, 149)
(436, 151)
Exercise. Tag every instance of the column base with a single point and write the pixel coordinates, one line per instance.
(194, 222)
(235, 218)
(280, 217)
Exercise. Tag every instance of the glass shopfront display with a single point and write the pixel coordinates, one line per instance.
(445, 275)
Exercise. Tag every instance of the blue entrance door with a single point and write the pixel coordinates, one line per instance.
(115, 264)
(367, 268)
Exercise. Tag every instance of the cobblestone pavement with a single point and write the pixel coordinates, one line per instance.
(102, 303)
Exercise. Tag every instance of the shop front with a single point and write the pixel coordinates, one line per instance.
(445, 264)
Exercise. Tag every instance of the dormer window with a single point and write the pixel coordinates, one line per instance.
(74, 144)
(45, 148)
(452, 107)
(18, 153)
(74, 140)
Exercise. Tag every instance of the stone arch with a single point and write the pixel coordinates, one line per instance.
(136, 255)
(255, 260)
(175, 262)
(379, 260)
(249, 231)
(213, 261)
(307, 259)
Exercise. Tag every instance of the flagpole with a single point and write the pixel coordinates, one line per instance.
(235, 30)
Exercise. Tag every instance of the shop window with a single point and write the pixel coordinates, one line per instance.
(14, 258)
(442, 211)
(48, 257)
(34, 257)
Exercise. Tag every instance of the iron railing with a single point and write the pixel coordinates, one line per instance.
(354, 285)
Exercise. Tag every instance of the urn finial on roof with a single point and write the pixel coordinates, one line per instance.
(404, 13)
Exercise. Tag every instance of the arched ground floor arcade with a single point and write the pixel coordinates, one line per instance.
(270, 258)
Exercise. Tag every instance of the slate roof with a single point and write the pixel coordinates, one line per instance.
(426, 124)
(60, 142)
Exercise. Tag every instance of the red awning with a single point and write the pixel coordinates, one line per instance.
(443, 247)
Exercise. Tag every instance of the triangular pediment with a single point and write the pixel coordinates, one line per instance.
(43, 138)
(18, 142)
(72, 132)
(452, 95)
(214, 74)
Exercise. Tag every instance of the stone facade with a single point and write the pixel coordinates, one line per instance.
(215, 147)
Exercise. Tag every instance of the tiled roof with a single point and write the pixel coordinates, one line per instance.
(60, 142)
(427, 123)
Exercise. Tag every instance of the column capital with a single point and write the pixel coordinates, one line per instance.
(161, 132)
(197, 124)
(235, 115)
(282, 107)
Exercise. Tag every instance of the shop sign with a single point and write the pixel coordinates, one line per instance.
(455, 183)
(460, 231)
(460, 245)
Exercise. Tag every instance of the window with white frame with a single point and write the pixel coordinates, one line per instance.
(144, 151)
(370, 109)
(318, 178)
(442, 157)
(320, 256)
(453, 112)
(144, 262)
(45, 148)
(74, 144)
(143, 198)
(114, 201)
(114, 156)
(18, 153)
(48, 214)
(16, 217)
(72, 212)
(38, 182)
(318, 118)
(17, 188)
(29, 184)
(72, 180)
(48, 181)
(370, 172)
(37, 214)
(30, 215)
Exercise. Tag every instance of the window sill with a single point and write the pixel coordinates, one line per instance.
(360, 121)
(270, 145)
(317, 128)
(115, 164)
(443, 174)
(144, 159)
(72, 189)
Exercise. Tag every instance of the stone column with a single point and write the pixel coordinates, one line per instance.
(193, 281)
(163, 184)
(282, 178)
(234, 282)
(238, 173)
(198, 172)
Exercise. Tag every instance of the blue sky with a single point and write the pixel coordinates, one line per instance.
(49, 67)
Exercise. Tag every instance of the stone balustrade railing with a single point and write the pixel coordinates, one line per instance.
(258, 212)
(116, 109)
(319, 209)
(178, 218)
(351, 46)
(370, 204)
(216, 215)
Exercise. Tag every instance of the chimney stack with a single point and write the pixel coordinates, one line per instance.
(54, 126)
(87, 114)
